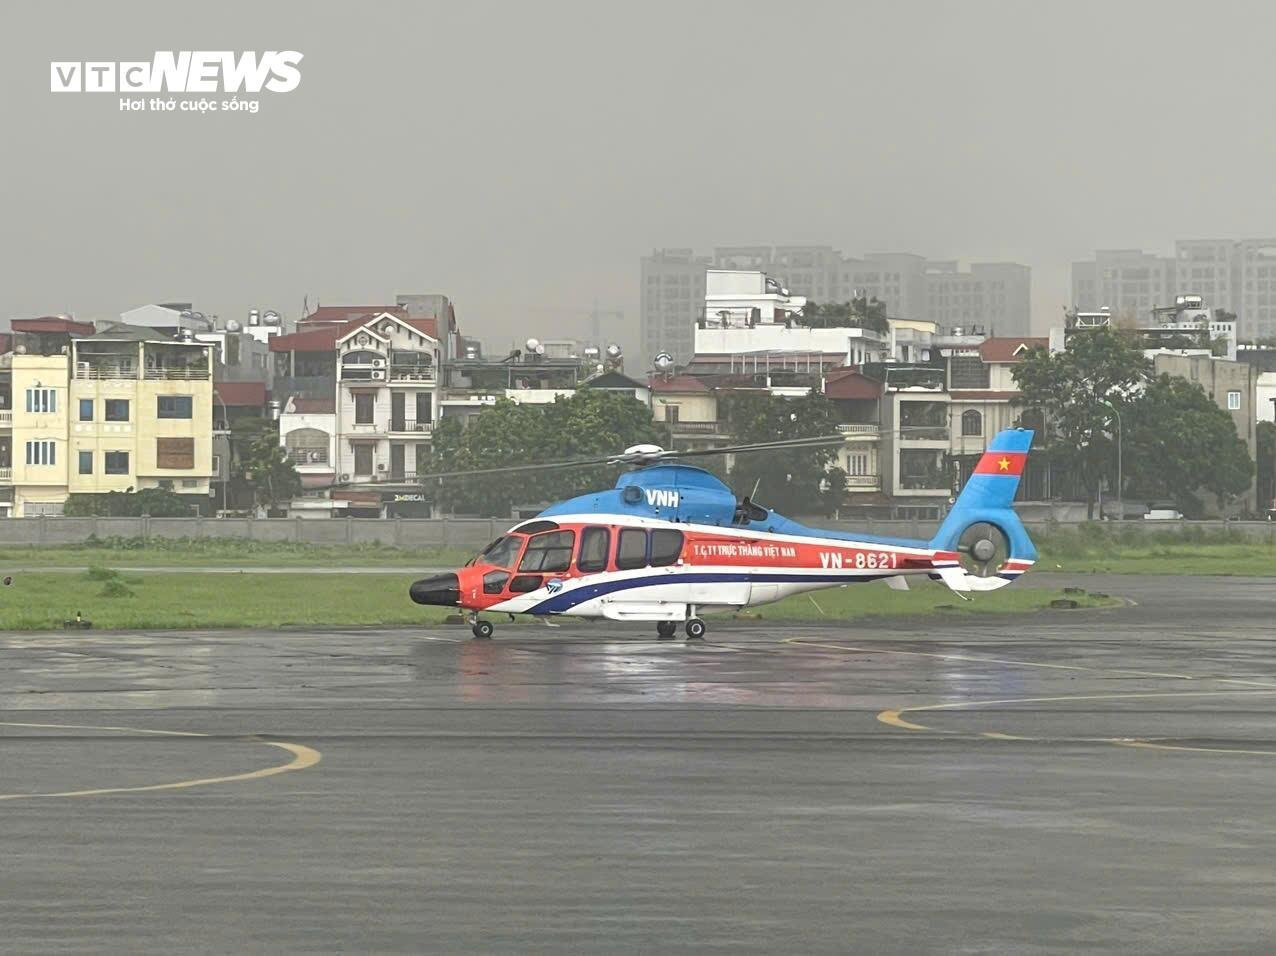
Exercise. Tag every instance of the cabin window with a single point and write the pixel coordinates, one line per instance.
(666, 547)
(551, 551)
(594, 544)
(494, 581)
(631, 551)
(525, 583)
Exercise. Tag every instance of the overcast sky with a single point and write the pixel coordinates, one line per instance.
(521, 158)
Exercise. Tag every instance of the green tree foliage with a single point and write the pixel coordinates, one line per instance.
(1266, 465)
(261, 464)
(861, 312)
(1178, 441)
(156, 502)
(1070, 388)
(794, 482)
(588, 423)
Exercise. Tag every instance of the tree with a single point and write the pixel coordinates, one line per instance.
(1071, 389)
(261, 463)
(801, 482)
(1178, 442)
(1266, 465)
(861, 312)
(156, 502)
(589, 423)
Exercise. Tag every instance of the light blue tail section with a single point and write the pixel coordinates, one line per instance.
(988, 497)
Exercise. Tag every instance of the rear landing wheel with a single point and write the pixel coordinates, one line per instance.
(482, 630)
(695, 629)
(665, 630)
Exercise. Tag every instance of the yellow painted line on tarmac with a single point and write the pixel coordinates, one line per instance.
(302, 758)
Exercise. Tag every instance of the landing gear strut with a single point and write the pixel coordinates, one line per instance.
(665, 630)
(481, 629)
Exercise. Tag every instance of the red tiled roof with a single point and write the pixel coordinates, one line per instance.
(323, 337)
(51, 323)
(981, 395)
(851, 385)
(677, 383)
(340, 314)
(1004, 349)
(313, 406)
(240, 393)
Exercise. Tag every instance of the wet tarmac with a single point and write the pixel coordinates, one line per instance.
(1046, 783)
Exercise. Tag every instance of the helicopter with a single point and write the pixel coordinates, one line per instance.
(671, 542)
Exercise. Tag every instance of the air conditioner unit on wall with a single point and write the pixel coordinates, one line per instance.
(378, 363)
(378, 375)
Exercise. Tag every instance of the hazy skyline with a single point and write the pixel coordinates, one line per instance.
(522, 158)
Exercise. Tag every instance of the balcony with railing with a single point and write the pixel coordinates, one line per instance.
(698, 428)
(923, 421)
(411, 426)
(859, 429)
(409, 366)
(6, 417)
(863, 482)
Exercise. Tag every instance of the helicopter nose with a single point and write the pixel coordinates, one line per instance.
(443, 590)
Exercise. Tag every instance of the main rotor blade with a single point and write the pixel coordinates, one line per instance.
(636, 458)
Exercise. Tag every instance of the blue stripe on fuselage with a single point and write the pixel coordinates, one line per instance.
(567, 600)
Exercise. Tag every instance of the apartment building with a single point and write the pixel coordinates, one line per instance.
(140, 414)
(359, 397)
(1237, 276)
(87, 412)
(994, 295)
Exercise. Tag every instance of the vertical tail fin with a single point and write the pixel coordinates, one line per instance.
(987, 498)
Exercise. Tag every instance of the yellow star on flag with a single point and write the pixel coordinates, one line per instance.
(1004, 464)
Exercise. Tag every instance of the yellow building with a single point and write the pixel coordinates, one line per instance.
(38, 450)
(139, 414)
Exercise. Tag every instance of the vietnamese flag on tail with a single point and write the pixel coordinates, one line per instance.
(1001, 463)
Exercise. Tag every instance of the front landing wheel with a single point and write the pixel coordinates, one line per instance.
(695, 629)
(482, 630)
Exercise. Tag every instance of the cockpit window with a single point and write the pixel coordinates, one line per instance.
(501, 552)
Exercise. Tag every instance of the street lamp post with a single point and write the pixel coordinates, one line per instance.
(1120, 489)
(226, 422)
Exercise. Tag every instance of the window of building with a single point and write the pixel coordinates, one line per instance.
(631, 550)
(42, 400)
(175, 452)
(116, 409)
(671, 414)
(86, 462)
(166, 484)
(551, 551)
(1233, 401)
(307, 446)
(363, 406)
(115, 463)
(86, 409)
(217, 464)
(972, 423)
(190, 482)
(666, 547)
(362, 459)
(42, 453)
(594, 544)
(173, 406)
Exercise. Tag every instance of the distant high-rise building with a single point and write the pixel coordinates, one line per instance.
(1124, 281)
(1238, 276)
(991, 295)
(671, 300)
(995, 295)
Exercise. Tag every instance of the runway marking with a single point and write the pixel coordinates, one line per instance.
(302, 758)
(895, 718)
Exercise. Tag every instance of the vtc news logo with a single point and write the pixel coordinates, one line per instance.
(186, 71)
